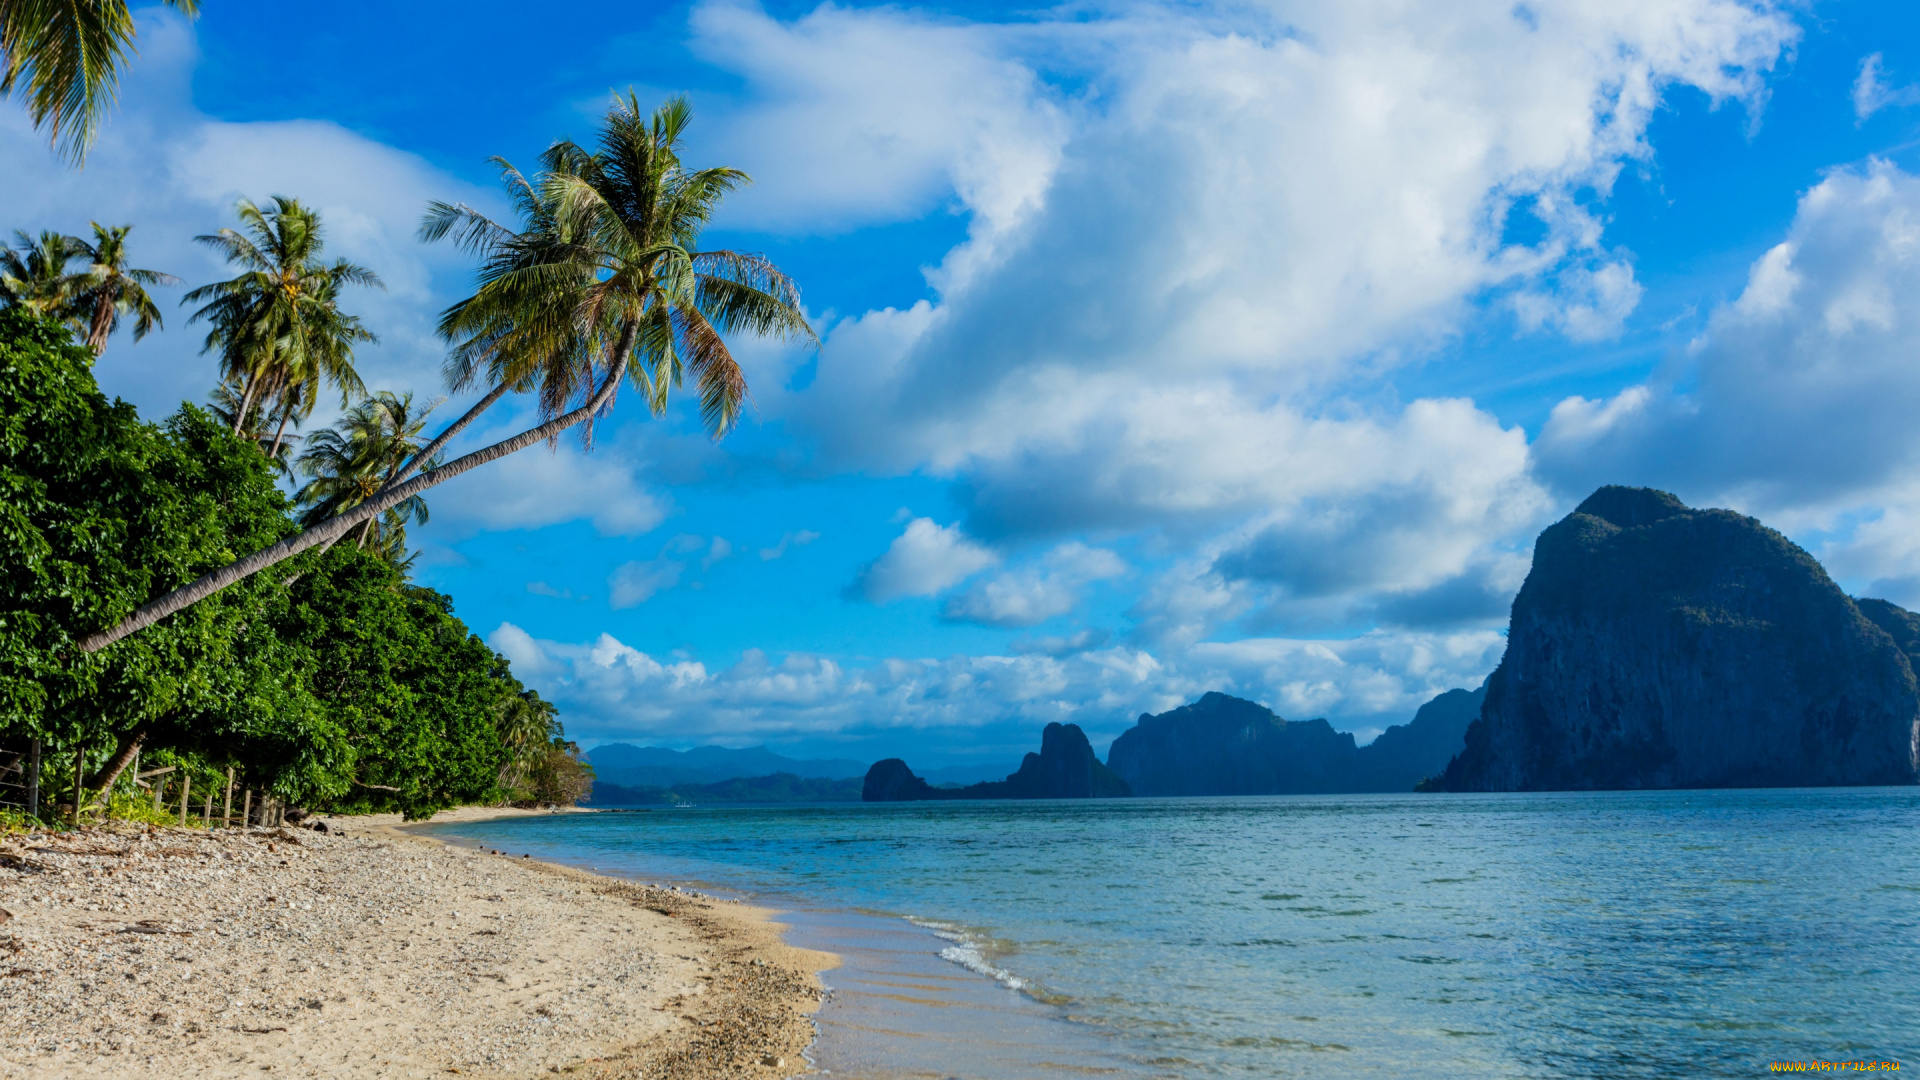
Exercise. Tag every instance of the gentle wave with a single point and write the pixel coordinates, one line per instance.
(965, 951)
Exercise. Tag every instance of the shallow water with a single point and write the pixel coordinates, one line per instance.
(1568, 934)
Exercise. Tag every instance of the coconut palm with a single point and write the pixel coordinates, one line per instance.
(350, 462)
(66, 55)
(108, 288)
(33, 273)
(526, 726)
(278, 327)
(604, 278)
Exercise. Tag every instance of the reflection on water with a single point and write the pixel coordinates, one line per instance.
(1643, 934)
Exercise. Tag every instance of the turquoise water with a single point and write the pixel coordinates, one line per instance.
(1620, 934)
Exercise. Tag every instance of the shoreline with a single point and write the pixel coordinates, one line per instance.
(371, 950)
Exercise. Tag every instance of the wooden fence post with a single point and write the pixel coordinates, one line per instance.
(206, 810)
(79, 767)
(246, 810)
(33, 778)
(186, 785)
(226, 807)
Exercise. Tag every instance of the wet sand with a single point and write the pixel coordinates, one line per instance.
(368, 951)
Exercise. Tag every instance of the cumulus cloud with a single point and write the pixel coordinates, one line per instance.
(1796, 403)
(1180, 277)
(1801, 391)
(609, 690)
(175, 173)
(876, 115)
(1034, 594)
(923, 560)
(1244, 216)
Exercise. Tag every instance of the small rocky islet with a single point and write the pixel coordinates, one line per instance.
(1652, 645)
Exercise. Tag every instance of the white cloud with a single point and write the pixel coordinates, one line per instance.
(876, 115)
(609, 690)
(1237, 224)
(924, 559)
(174, 173)
(792, 539)
(1034, 594)
(542, 486)
(721, 548)
(1797, 402)
(1871, 93)
(1800, 394)
(634, 583)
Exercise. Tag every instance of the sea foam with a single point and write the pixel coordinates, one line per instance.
(965, 951)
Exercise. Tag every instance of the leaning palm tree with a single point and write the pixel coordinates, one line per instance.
(278, 327)
(67, 55)
(108, 288)
(603, 282)
(352, 461)
(33, 273)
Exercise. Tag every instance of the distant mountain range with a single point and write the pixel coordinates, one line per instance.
(777, 788)
(626, 765)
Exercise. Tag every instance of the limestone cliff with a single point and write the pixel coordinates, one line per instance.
(1224, 745)
(1657, 646)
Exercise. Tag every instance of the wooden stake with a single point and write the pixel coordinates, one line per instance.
(206, 810)
(186, 786)
(79, 766)
(246, 809)
(33, 779)
(226, 808)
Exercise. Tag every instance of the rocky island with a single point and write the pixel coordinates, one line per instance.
(1658, 646)
(1224, 745)
(1065, 768)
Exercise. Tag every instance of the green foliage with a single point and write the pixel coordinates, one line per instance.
(65, 55)
(331, 683)
(555, 777)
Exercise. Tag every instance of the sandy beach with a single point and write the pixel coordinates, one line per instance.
(368, 951)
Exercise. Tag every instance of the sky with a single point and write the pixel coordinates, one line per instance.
(1165, 348)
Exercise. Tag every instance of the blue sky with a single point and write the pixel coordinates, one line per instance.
(1167, 348)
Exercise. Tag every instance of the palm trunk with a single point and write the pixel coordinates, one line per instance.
(285, 415)
(246, 405)
(453, 429)
(102, 325)
(117, 764)
(337, 526)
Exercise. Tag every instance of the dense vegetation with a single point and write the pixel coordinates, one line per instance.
(332, 683)
(159, 591)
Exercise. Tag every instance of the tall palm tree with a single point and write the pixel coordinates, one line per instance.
(33, 273)
(604, 272)
(67, 55)
(108, 288)
(278, 327)
(350, 462)
(526, 727)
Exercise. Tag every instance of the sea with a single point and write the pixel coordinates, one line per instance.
(1590, 934)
